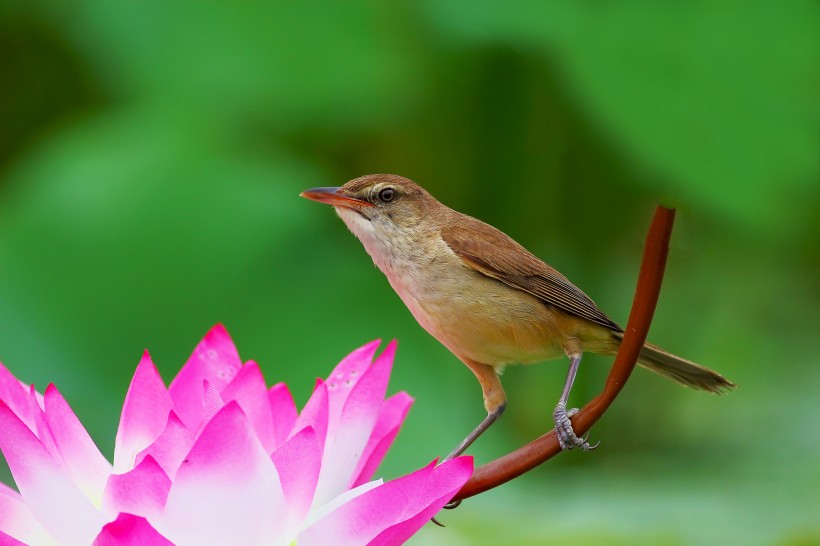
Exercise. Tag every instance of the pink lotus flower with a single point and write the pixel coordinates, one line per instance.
(218, 458)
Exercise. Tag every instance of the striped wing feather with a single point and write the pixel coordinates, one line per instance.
(498, 256)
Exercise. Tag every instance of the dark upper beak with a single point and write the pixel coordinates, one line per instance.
(333, 196)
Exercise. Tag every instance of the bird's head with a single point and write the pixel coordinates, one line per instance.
(386, 207)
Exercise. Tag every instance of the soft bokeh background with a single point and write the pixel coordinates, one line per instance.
(151, 155)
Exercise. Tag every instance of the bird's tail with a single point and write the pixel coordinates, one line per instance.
(680, 370)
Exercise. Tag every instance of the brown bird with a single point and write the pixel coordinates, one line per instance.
(484, 296)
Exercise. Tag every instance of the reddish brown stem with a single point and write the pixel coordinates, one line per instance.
(544, 448)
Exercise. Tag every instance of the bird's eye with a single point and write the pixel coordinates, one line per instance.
(387, 195)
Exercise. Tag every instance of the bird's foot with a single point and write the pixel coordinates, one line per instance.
(449, 506)
(563, 428)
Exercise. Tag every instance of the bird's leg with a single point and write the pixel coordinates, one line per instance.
(494, 402)
(484, 425)
(563, 426)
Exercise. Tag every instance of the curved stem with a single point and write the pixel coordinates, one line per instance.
(544, 448)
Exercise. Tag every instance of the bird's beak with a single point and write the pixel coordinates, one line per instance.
(333, 196)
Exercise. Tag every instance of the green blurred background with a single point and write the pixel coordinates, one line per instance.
(151, 155)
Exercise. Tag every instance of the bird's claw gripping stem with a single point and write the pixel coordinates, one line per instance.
(563, 428)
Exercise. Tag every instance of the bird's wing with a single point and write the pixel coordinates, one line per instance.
(498, 256)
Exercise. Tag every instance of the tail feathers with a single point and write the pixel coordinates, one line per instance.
(680, 370)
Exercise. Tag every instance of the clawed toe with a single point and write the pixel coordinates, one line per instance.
(566, 435)
(449, 506)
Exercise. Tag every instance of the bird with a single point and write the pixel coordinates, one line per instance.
(485, 297)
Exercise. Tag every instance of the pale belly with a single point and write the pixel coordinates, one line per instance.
(483, 320)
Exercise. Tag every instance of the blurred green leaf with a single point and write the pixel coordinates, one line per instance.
(718, 102)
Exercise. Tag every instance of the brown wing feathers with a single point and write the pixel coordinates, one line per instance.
(498, 256)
